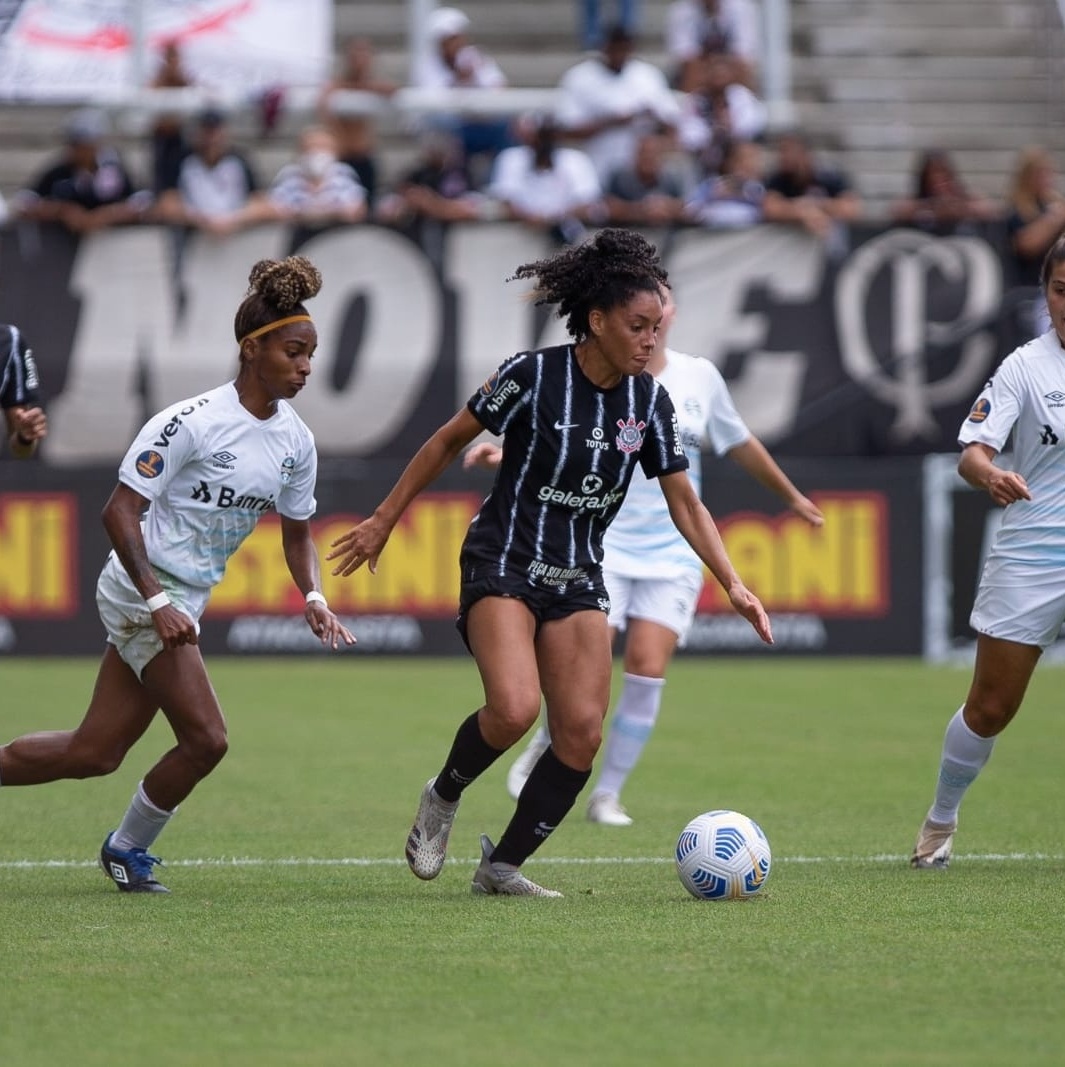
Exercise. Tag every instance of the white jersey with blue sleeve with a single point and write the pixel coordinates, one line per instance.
(642, 541)
(1026, 396)
(211, 470)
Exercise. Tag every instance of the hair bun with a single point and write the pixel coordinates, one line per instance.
(285, 283)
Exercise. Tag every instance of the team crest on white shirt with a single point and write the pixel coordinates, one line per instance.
(288, 465)
(630, 435)
(981, 410)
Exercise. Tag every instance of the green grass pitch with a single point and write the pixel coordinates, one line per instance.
(296, 935)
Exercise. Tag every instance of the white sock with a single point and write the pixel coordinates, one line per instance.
(142, 823)
(964, 755)
(634, 719)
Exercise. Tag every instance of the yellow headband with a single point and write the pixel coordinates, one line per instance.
(274, 325)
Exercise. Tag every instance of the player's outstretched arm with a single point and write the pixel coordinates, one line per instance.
(301, 555)
(364, 543)
(696, 524)
(754, 458)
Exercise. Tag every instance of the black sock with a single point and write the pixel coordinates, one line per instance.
(545, 799)
(470, 757)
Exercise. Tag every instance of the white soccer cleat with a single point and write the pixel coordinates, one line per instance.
(934, 845)
(522, 767)
(501, 879)
(606, 809)
(427, 840)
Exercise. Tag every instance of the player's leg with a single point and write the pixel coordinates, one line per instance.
(119, 712)
(176, 679)
(573, 655)
(649, 647)
(500, 633)
(1000, 678)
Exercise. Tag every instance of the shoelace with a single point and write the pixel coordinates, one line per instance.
(142, 862)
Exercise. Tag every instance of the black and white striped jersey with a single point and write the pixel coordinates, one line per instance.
(19, 384)
(569, 451)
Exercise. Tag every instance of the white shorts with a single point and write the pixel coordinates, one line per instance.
(126, 617)
(670, 602)
(1011, 606)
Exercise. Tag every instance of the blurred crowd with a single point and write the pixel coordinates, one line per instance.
(629, 142)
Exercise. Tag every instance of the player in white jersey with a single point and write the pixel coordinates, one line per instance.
(1020, 602)
(576, 421)
(192, 486)
(652, 576)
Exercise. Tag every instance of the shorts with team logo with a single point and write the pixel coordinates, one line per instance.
(1011, 606)
(546, 603)
(126, 617)
(669, 602)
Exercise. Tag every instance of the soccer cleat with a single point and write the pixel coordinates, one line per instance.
(606, 809)
(130, 870)
(427, 840)
(501, 879)
(522, 767)
(934, 845)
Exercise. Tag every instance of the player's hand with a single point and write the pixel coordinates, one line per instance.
(361, 544)
(484, 454)
(806, 509)
(174, 627)
(31, 424)
(328, 628)
(1007, 487)
(750, 607)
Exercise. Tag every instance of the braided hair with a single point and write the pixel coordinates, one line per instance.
(603, 272)
(276, 289)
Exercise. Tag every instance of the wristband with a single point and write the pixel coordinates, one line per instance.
(160, 600)
(314, 597)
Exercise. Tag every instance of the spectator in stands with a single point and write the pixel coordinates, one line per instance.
(217, 190)
(735, 197)
(941, 202)
(699, 28)
(545, 185)
(800, 190)
(717, 111)
(169, 146)
(356, 134)
(454, 63)
(1035, 217)
(649, 193)
(590, 31)
(317, 189)
(607, 102)
(89, 188)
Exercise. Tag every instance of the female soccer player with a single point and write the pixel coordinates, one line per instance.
(651, 574)
(193, 485)
(1020, 604)
(24, 417)
(575, 420)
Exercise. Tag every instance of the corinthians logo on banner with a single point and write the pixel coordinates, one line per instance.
(910, 278)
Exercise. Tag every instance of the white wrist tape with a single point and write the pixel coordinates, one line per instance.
(160, 600)
(314, 597)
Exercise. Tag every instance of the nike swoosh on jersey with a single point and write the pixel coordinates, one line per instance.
(566, 425)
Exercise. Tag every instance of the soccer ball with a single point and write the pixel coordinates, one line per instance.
(723, 855)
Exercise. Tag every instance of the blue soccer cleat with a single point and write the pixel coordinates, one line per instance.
(130, 870)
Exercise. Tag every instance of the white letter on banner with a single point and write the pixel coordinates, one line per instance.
(400, 344)
(122, 278)
(494, 319)
(214, 278)
(711, 275)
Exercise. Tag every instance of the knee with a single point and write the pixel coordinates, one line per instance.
(509, 718)
(94, 763)
(207, 749)
(576, 743)
(989, 714)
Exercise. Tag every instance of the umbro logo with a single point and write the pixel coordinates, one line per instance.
(118, 872)
(1056, 397)
(223, 459)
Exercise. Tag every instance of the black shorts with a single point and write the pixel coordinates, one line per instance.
(544, 601)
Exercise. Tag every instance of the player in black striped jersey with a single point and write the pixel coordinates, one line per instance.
(20, 399)
(575, 421)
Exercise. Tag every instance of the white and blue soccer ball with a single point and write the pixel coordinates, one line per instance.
(723, 855)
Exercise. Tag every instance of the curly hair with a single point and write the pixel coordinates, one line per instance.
(276, 289)
(603, 272)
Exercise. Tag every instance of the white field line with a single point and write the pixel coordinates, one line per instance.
(554, 861)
